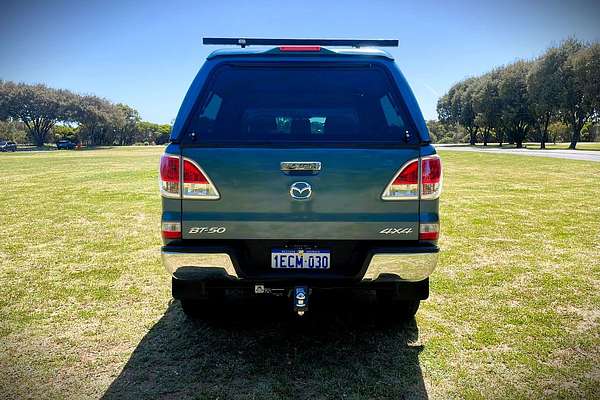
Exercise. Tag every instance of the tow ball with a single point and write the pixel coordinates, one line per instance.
(301, 294)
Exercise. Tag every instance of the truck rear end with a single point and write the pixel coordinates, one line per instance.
(300, 168)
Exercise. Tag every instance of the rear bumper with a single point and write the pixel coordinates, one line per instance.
(410, 267)
(214, 263)
(408, 264)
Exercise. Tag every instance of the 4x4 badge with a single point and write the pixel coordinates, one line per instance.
(300, 190)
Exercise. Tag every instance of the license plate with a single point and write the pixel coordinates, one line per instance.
(300, 259)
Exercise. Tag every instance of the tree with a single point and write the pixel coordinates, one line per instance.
(96, 117)
(572, 104)
(589, 132)
(516, 116)
(164, 132)
(486, 104)
(583, 98)
(91, 119)
(545, 90)
(444, 109)
(126, 122)
(150, 132)
(4, 114)
(12, 130)
(558, 131)
(526, 96)
(457, 108)
(37, 106)
(467, 113)
(64, 132)
(446, 133)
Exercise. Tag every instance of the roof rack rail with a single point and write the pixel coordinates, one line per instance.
(243, 42)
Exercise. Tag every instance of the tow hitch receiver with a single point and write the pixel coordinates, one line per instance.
(301, 294)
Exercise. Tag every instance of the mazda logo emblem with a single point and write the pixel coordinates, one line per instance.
(300, 191)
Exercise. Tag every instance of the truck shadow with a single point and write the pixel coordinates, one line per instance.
(258, 349)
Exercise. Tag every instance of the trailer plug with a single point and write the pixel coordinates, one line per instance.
(301, 299)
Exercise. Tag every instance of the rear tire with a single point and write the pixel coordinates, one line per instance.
(395, 309)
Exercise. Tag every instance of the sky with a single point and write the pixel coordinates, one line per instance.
(146, 53)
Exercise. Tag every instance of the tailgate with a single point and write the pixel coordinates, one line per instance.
(256, 200)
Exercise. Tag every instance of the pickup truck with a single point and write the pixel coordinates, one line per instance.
(299, 167)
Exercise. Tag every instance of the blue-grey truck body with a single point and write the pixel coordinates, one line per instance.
(300, 167)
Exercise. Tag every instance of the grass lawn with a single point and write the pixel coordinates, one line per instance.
(85, 306)
(565, 146)
(595, 146)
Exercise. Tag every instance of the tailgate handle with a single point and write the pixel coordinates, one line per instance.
(301, 166)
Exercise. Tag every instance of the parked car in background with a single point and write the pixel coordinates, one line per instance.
(300, 168)
(8, 146)
(65, 145)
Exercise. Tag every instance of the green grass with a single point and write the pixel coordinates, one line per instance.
(589, 146)
(565, 146)
(85, 304)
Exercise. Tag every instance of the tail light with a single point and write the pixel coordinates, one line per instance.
(300, 48)
(169, 176)
(429, 231)
(195, 185)
(171, 230)
(405, 185)
(431, 177)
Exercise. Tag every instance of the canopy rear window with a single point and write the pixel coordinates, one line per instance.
(303, 105)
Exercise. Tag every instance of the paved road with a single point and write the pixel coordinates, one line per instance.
(586, 155)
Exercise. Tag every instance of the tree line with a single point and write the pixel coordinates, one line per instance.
(523, 100)
(41, 114)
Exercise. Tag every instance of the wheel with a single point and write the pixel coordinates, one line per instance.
(396, 309)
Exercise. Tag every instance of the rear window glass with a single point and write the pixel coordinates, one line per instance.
(262, 105)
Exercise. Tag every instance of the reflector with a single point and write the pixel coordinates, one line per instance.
(430, 231)
(171, 230)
